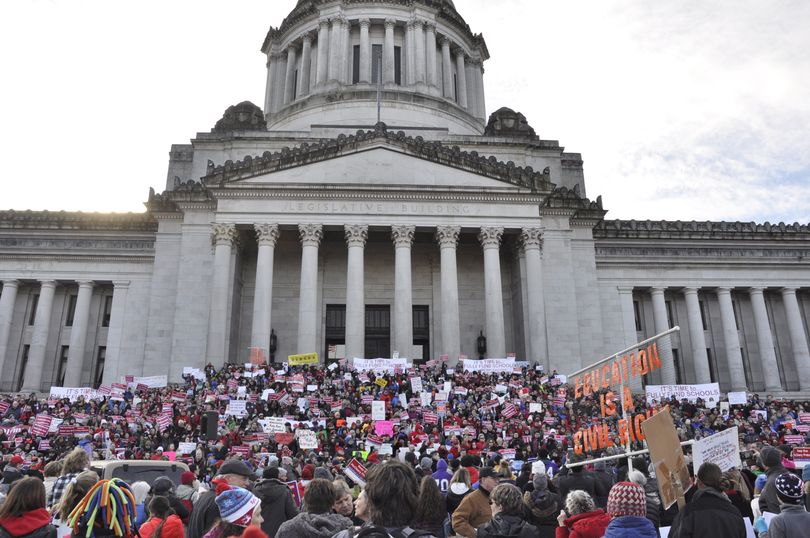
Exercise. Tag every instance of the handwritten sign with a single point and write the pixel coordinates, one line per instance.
(378, 410)
(303, 358)
(721, 448)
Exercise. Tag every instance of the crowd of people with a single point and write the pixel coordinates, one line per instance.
(424, 451)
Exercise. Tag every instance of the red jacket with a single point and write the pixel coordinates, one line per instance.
(587, 525)
(172, 529)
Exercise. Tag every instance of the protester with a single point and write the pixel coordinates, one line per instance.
(73, 464)
(793, 521)
(52, 471)
(581, 518)
(431, 510)
(652, 501)
(709, 514)
(474, 509)
(12, 472)
(318, 520)
(163, 522)
(240, 514)
(277, 502)
(542, 506)
(108, 509)
(577, 478)
(735, 490)
(23, 513)
(164, 487)
(604, 481)
(772, 462)
(232, 473)
(187, 490)
(627, 508)
(75, 492)
(140, 490)
(507, 511)
(442, 477)
(459, 488)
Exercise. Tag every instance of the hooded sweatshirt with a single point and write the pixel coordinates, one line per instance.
(33, 524)
(442, 477)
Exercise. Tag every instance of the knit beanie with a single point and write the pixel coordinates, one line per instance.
(540, 482)
(770, 456)
(236, 506)
(627, 499)
(426, 463)
(187, 478)
(789, 488)
(308, 472)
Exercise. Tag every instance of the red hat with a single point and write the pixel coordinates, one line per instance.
(308, 471)
(17, 460)
(627, 499)
(187, 478)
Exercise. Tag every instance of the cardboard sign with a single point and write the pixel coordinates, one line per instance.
(667, 456)
(378, 410)
(721, 448)
(273, 425)
(303, 358)
(307, 439)
(737, 398)
(708, 392)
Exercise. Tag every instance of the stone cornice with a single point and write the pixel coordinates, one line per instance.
(70, 220)
(624, 253)
(663, 229)
(78, 258)
(190, 194)
(344, 145)
(380, 193)
(565, 201)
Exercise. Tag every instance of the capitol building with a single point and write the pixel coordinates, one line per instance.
(374, 206)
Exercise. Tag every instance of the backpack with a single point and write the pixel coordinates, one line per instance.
(374, 531)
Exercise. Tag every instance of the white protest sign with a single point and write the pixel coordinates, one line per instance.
(535, 407)
(416, 384)
(426, 398)
(272, 425)
(737, 398)
(379, 365)
(386, 449)
(152, 381)
(721, 448)
(489, 366)
(312, 388)
(378, 410)
(236, 408)
(448, 386)
(708, 392)
(186, 448)
(74, 393)
(306, 439)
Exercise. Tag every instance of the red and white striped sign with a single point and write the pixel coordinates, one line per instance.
(41, 425)
(794, 439)
(164, 421)
(430, 417)
(509, 410)
(179, 396)
(804, 418)
(367, 399)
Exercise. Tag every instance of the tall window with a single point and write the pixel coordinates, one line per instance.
(676, 360)
(98, 374)
(105, 318)
(421, 329)
(637, 315)
(32, 315)
(355, 64)
(335, 326)
(71, 310)
(376, 63)
(23, 365)
(398, 65)
(63, 359)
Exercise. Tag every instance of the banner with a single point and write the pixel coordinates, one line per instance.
(489, 366)
(306, 439)
(236, 408)
(356, 472)
(379, 365)
(721, 448)
(73, 394)
(708, 392)
(151, 382)
(303, 358)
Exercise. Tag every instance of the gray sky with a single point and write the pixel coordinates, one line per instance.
(684, 109)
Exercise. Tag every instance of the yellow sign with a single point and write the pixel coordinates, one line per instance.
(381, 382)
(304, 358)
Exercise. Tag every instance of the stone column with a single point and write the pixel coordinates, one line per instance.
(224, 236)
(430, 52)
(696, 336)
(447, 69)
(356, 236)
(271, 79)
(731, 339)
(7, 301)
(798, 339)
(343, 67)
(311, 235)
(482, 103)
(668, 376)
(767, 354)
(323, 51)
(78, 335)
(267, 237)
(476, 89)
(403, 299)
(419, 45)
(289, 79)
(410, 54)
(447, 236)
(629, 327)
(490, 238)
(531, 240)
(461, 78)
(115, 332)
(334, 48)
(279, 71)
(388, 52)
(39, 338)
(365, 52)
(306, 64)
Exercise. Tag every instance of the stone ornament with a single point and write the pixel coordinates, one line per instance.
(356, 234)
(267, 234)
(507, 122)
(531, 238)
(490, 236)
(402, 235)
(224, 233)
(310, 234)
(242, 117)
(447, 236)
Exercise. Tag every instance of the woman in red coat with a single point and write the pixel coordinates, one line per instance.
(581, 519)
(163, 522)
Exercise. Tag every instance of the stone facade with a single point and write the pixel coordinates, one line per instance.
(312, 226)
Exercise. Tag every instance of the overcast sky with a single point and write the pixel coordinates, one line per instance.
(682, 109)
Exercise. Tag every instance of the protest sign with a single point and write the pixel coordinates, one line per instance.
(303, 358)
(721, 448)
(356, 472)
(74, 393)
(186, 448)
(737, 398)
(386, 449)
(426, 398)
(151, 382)
(306, 439)
(489, 366)
(384, 427)
(804, 418)
(236, 408)
(708, 392)
(667, 457)
(416, 383)
(273, 425)
(379, 365)
(801, 456)
(377, 410)
(535, 407)
(794, 439)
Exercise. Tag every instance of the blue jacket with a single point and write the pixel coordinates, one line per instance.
(630, 527)
(442, 477)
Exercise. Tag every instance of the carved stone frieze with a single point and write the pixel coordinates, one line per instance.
(747, 253)
(402, 235)
(266, 234)
(310, 234)
(490, 236)
(447, 236)
(356, 234)
(77, 220)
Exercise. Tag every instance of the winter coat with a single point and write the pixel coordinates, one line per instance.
(587, 525)
(740, 504)
(503, 526)
(455, 494)
(793, 522)
(768, 501)
(473, 512)
(584, 480)
(205, 513)
(631, 527)
(604, 481)
(33, 524)
(709, 514)
(442, 477)
(542, 508)
(277, 504)
(313, 526)
(173, 528)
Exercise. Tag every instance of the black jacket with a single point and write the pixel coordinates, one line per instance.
(503, 526)
(584, 480)
(48, 531)
(711, 515)
(205, 513)
(768, 501)
(277, 504)
(542, 509)
(604, 481)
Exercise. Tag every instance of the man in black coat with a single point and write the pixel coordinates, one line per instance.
(206, 512)
(771, 459)
(572, 478)
(604, 481)
(709, 514)
(277, 501)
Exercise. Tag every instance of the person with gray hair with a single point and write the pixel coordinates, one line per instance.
(581, 518)
(506, 503)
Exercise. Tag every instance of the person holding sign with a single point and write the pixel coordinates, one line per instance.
(709, 514)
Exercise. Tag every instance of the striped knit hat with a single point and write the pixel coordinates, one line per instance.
(236, 506)
(627, 499)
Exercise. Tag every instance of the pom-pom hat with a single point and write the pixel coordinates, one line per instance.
(627, 499)
(789, 488)
(236, 506)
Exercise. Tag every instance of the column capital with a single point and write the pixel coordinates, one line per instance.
(413, 22)
(47, 284)
(356, 234)
(625, 289)
(224, 233)
(292, 48)
(305, 37)
(460, 54)
(531, 238)
(447, 236)
(121, 284)
(324, 23)
(430, 26)
(390, 23)
(474, 62)
(277, 56)
(788, 290)
(310, 234)
(490, 236)
(267, 234)
(11, 283)
(364, 22)
(445, 41)
(657, 290)
(758, 290)
(690, 290)
(402, 235)
(86, 284)
(723, 290)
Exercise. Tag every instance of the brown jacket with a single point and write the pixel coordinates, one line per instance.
(473, 512)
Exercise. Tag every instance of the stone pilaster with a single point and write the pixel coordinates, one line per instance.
(388, 52)
(490, 238)
(306, 63)
(289, 78)
(323, 52)
(447, 69)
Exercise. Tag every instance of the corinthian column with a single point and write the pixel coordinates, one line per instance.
(731, 339)
(39, 338)
(419, 41)
(335, 38)
(323, 51)
(695, 321)
(306, 64)
(224, 236)
(311, 235)
(447, 236)
(447, 69)
(403, 302)
(356, 236)
(388, 52)
(410, 58)
(289, 84)
(490, 238)
(267, 237)
(767, 355)
(7, 301)
(798, 340)
(531, 240)
(461, 78)
(430, 52)
(78, 335)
